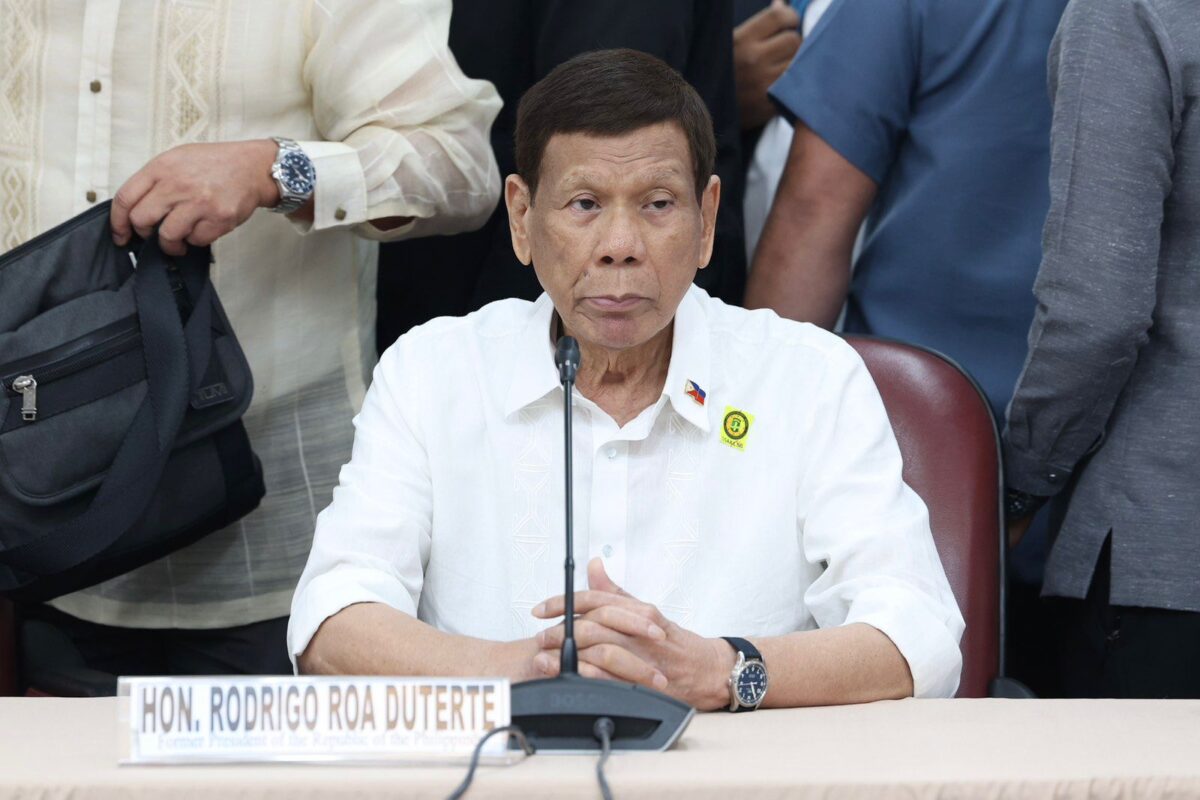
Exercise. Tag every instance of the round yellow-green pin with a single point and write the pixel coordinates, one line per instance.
(735, 427)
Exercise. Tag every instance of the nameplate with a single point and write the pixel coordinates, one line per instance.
(322, 719)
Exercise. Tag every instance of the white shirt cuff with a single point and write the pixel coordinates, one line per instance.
(340, 197)
(328, 593)
(926, 640)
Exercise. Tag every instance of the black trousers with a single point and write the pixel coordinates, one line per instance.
(52, 643)
(1124, 651)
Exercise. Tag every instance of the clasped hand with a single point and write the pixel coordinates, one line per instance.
(622, 638)
(195, 194)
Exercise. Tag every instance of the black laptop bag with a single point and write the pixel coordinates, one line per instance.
(122, 389)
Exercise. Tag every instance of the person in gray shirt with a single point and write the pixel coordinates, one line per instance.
(1105, 405)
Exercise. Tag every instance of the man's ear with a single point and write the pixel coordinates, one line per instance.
(710, 199)
(519, 201)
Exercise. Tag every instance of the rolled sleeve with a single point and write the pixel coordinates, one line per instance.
(923, 631)
(871, 533)
(372, 543)
(406, 133)
(329, 592)
(852, 80)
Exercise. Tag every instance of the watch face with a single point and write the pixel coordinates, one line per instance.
(752, 683)
(297, 173)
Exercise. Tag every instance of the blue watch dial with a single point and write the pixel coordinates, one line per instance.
(297, 173)
(752, 683)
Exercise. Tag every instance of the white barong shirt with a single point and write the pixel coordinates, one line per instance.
(760, 495)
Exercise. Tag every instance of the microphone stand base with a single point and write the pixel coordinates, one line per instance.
(559, 714)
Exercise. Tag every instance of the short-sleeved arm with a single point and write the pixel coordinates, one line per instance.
(853, 80)
(372, 543)
(405, 132)
(871, 532)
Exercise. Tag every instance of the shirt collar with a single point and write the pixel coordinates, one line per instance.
(534, 375)
(691, 367)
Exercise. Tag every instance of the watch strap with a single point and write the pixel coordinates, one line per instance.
(745, 648)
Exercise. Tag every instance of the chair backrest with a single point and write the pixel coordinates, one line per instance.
(951, 459)
(8, 649)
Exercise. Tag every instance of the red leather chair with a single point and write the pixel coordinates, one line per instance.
(952, 460)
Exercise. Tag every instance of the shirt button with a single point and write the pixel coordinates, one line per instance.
(608, 551)
(91, 196)
(340, 214)
(611, 452)
(95, 87)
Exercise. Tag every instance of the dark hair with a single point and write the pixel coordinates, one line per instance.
(610, 93)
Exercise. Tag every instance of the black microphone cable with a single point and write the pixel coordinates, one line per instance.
(512, 730)
(603, 730)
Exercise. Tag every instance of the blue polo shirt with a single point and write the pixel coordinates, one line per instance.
(943, 103)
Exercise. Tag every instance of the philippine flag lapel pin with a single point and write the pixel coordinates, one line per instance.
(693, 390)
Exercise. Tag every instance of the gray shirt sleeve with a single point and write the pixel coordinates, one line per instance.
(1114, 81)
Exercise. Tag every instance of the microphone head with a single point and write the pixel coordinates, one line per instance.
(566, 358)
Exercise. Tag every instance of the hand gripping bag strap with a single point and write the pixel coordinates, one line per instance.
(138, 465)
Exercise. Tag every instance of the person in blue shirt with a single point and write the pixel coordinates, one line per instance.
(930, 121)
(926, 125)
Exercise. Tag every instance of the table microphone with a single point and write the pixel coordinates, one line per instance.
(561, 713)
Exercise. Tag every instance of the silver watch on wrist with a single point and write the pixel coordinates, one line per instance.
(294, 174)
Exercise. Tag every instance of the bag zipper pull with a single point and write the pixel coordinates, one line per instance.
(26, 386)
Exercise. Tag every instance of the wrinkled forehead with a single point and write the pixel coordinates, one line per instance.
(656, 155)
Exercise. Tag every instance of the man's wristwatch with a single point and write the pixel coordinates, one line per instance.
(748, 679)
(1018, 505)
(295, 175)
